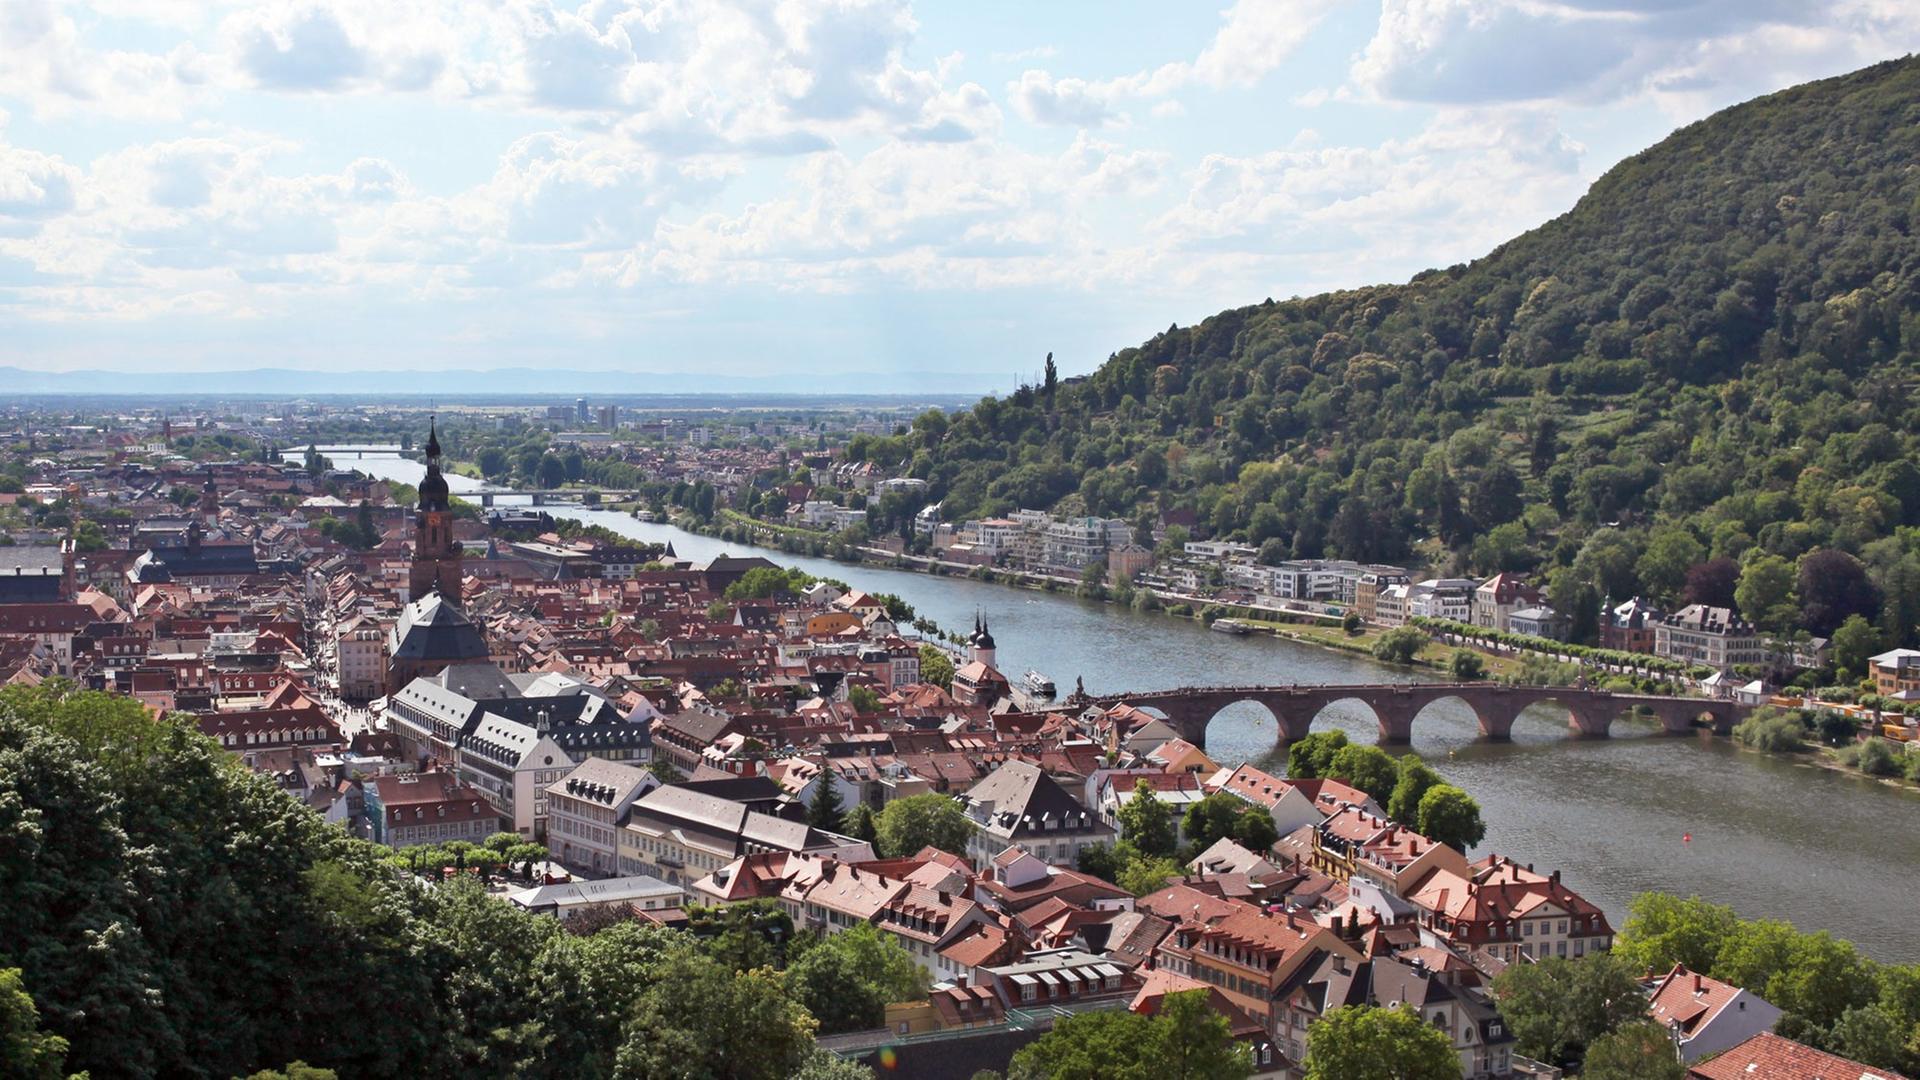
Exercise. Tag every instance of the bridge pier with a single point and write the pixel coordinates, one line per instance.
(1396, 719)
(1294, 726)
(1496, 728)
(538, 499)
(1592, 721)
(486, 499)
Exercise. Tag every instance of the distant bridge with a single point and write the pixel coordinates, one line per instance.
(1590, 713)
(541, 497)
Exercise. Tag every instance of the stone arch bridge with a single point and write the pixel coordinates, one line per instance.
(1590, 713)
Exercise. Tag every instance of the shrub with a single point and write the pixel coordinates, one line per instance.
(1467, 666)
(1771, 730)
(1875, 759)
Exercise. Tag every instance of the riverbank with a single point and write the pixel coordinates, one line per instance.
(1303, 627)
(1827, 759)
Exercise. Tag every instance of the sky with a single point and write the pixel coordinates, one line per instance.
(800, 186)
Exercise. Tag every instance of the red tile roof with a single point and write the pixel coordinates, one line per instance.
(1767, 1056)
(1688, 999)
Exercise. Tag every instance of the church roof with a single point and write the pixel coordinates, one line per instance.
(432, 629)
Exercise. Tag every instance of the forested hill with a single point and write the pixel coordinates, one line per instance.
(1712, 355)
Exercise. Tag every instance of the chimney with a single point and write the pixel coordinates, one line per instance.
(1554, 877)
(1696, 982)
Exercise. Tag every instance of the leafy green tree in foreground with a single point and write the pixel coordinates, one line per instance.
(1415, 778)
(1147, 822)
(1451, 817)
(1400, 645)
(1642, 1050)
(848, 979)
(25, 1050)
(917, 821)
(1557, 1007)
(1664, 930)
(1311, 756)
(860, 823)
(701, 1020)
(936, 667)
(595, 981)
(1187, 1040)
(824, 1064)
(1357, 1042)
(745, 936)
(1368, 768)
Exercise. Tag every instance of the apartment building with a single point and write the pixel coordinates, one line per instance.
(1711, 636)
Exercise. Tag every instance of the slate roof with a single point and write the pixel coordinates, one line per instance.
(1023, 796)
(430, 628)
(30, 559)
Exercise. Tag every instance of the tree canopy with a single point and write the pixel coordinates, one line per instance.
(1186, 1040)
(917, 821)
(165, 907)
(1359, 1042)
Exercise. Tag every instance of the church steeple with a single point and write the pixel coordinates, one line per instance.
(436, 555)
(433, 486)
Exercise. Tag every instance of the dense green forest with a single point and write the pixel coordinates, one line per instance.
(170, 913)
(1696, 379)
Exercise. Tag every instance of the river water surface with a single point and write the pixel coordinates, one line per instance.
(1772, 838)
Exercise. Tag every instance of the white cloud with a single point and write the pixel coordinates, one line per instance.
(1689, 56)
(34, 188)
(1254, 38)
(1069, 102)
(301, 49)
(1318, 211)
(596, 194)
(44, 62)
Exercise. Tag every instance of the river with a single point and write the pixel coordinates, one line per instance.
(1770, 837)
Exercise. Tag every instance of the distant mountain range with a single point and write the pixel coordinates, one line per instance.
(452, 385)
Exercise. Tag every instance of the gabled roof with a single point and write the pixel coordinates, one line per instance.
(1688, 1001)
(1767, 1056)
(608, 783)
(1023, 796)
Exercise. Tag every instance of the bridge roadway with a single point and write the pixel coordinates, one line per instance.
(541, 497)
(1590, 713)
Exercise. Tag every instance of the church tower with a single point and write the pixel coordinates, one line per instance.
(982, 642)
(436, 557)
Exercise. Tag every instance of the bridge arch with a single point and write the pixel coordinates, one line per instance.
(1392, 729)
(1589, 716)
(1683, 716)
(1246, 727)
(1494, 723)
